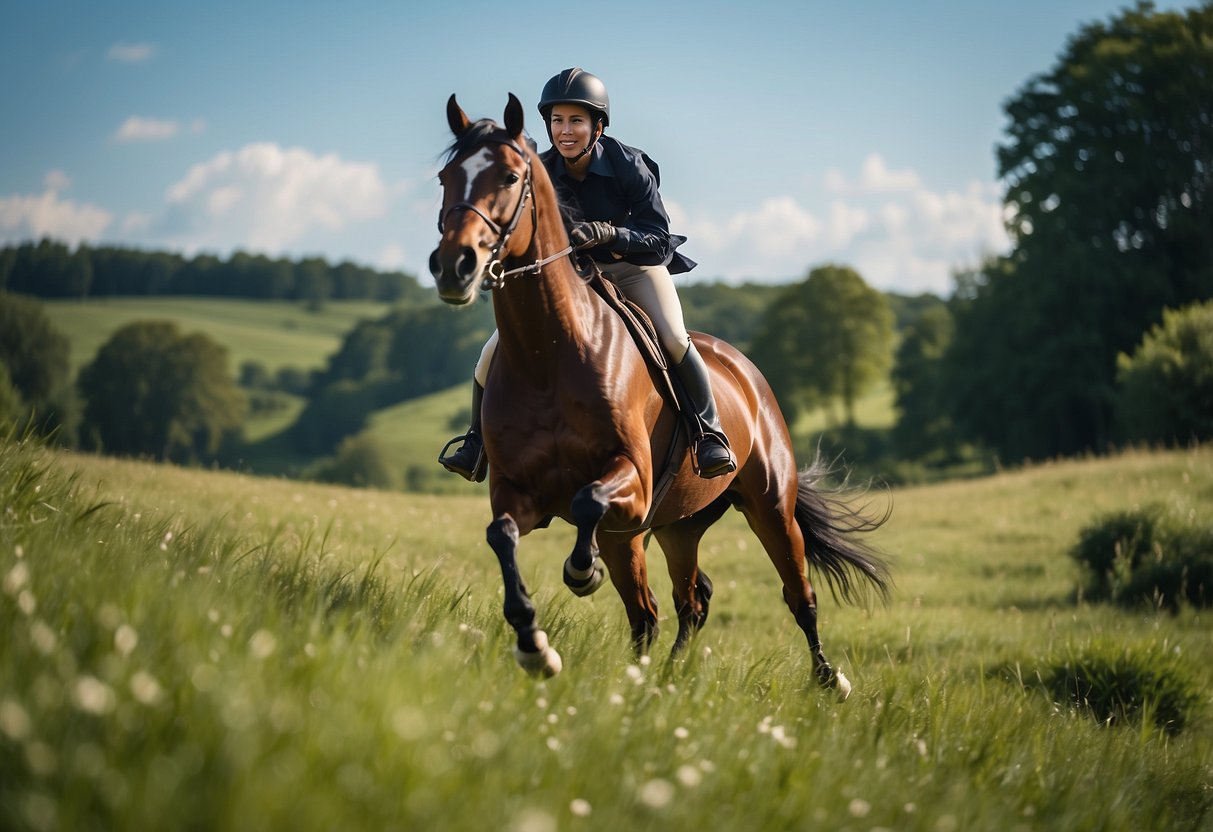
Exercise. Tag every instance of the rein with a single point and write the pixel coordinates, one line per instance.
(494, 271)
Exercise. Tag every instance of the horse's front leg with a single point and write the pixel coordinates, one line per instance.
(618, 487)
(532, 650)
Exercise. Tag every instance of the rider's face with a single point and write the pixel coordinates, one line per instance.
(571, 128)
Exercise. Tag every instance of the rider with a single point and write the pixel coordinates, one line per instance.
(609, 193)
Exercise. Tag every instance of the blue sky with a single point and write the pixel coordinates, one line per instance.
(789, 134)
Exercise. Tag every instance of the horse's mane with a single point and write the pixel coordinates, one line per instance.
(478, 132)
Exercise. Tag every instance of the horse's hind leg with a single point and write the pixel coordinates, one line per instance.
(624, 556)
(780, 535)
(692, 587)
(532, 651)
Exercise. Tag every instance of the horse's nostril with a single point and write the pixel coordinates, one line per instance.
(466, 263)
(435, 266)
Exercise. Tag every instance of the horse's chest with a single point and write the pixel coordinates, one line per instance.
(546, 442)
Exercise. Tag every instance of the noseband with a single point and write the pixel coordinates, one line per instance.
(494, 270)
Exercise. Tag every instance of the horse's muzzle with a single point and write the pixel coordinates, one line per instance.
(456, 277)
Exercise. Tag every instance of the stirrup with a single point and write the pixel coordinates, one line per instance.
(475, 472)
(727, 467)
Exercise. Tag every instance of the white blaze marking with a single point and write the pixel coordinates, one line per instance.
(473, 166)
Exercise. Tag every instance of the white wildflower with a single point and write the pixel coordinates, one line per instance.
(125, 639)
(145, 688)
(859, 808)
(94, 696)
(43, 637)
(14, 721)
(689, 776)
(580, 808)
(657, 793)
(16, 579)
(263, 644)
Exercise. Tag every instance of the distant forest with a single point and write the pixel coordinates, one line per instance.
(50, 269)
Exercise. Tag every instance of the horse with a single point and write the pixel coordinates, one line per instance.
(575, 428)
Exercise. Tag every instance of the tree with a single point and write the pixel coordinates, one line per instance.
(1166, 386)
(923, 426)
(1109, 173)
(827, 338)
(35, 353)
(37, 367)
(12, 409)
(152, 391)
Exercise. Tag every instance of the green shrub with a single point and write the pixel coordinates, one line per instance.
(361, 461)
(1166, 386)
(1146, 555)
(1118, 683)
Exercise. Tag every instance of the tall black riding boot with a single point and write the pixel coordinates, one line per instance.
(469, 461)
(710, 452)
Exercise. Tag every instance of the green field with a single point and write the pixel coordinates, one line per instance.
(277, 334)
(207, 650)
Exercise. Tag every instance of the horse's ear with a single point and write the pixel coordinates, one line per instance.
(513, 117)
(456, 117)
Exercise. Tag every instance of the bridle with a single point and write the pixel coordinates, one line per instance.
(494, 271)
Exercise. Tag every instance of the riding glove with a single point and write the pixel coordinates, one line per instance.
(589, 234)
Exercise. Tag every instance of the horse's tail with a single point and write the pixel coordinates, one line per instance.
(830, 526)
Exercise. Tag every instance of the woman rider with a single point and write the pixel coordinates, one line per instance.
(609, 192)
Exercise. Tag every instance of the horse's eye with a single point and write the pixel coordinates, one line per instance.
(511, 179)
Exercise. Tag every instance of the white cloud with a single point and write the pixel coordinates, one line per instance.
(34, 216)
(131, 53)
(57, 180)
(898, 232)
(391, 257)
(875, 177)
(142, 129)
(266, 197)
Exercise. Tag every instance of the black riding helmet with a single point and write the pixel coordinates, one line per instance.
(576, 86)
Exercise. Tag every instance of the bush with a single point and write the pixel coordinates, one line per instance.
(1166, 387)
(1147, 556)
(1118, 683)
(361, 462)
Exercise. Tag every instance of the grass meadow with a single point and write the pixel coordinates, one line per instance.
(275, 333)
(205, 650)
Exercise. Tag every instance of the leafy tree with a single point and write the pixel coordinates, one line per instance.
(826, 338)
(728, 312)
(35, 353)
(1166, 386)
(923, 426)
(1109, 172)
(37, 367)
(152, 391)
(12, 409)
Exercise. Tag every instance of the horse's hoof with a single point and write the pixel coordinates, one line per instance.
(585, 583)
(842, 686)
(544, 661)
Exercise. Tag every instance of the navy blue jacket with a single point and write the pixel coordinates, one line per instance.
(620, 188)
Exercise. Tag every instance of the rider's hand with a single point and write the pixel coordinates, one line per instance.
(589, 234)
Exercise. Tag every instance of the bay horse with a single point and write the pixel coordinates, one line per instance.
(575, 428)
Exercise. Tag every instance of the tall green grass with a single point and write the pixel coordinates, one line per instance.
(186, 649)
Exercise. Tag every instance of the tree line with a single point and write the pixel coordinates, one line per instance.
(50, 269)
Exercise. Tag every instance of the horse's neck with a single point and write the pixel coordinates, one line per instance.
(540, 313)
